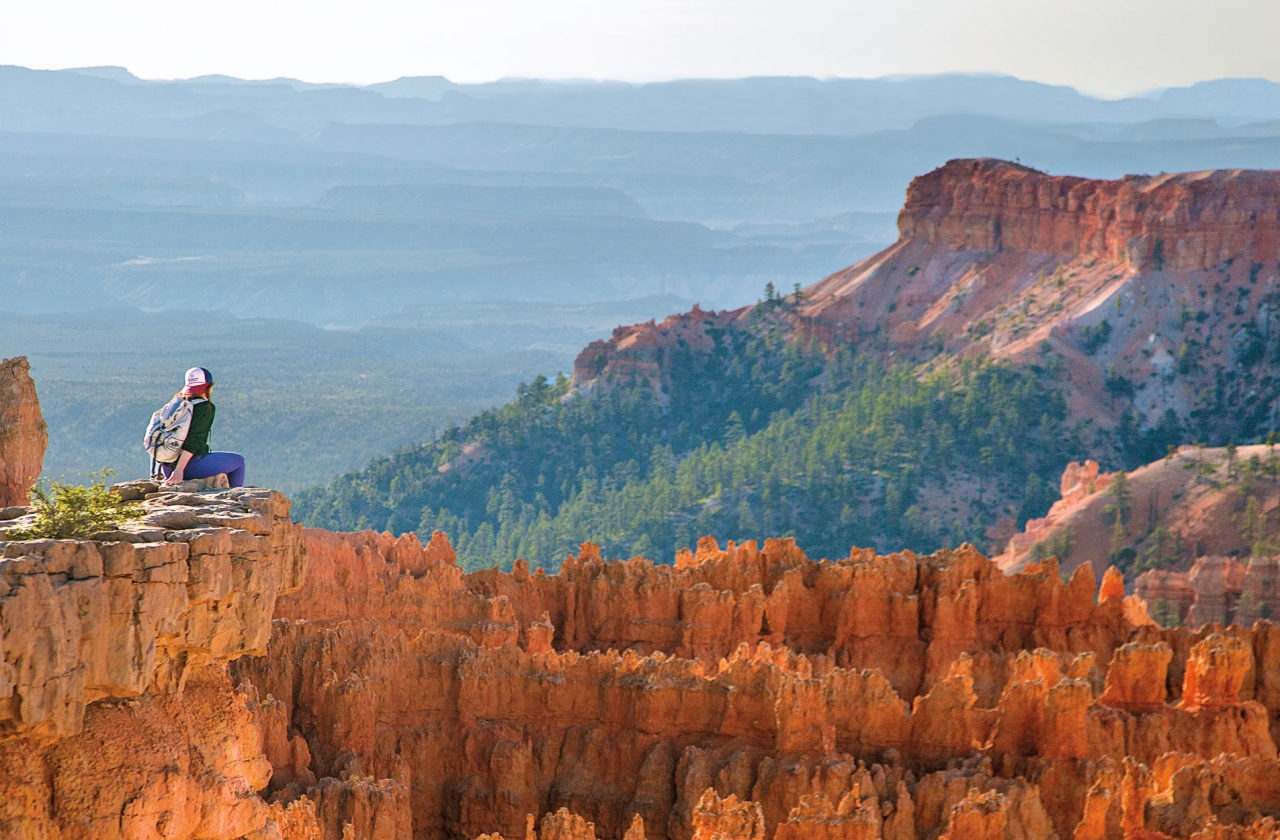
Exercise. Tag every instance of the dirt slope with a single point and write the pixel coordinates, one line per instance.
(1188, 505)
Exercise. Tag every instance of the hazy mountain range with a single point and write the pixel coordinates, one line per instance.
(416, 200)
(285, 195)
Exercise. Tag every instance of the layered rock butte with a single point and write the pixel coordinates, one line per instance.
(1003, 261)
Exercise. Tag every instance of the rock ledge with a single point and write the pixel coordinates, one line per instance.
(193, 582)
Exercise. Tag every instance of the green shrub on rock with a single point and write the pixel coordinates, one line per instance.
(75, 511)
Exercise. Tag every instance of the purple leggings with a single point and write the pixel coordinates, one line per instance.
(203, 466)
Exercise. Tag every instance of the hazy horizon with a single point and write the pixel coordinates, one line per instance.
(587, 81)
(1110, 49)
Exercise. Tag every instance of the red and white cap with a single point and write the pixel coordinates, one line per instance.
(198, 377)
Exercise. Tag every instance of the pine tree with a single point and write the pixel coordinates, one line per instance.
(1119, 507)
(1164, 613)
(1253, 530)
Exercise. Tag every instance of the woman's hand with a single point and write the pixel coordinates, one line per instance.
(179, 469)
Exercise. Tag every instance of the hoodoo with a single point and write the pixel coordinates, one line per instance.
(750, 692)
(23, 433)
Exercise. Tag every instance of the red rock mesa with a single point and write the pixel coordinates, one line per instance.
(1000, 260)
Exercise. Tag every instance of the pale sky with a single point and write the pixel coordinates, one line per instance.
(1107, 47)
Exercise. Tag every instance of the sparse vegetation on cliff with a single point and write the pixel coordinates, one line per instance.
(73, 511)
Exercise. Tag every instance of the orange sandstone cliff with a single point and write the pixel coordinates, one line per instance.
(751, 692)
(118, 718)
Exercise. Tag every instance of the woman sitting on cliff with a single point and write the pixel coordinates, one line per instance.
(196, 461)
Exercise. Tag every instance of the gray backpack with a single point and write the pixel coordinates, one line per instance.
(167, 431)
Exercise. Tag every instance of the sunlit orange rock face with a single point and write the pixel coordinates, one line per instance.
(118, 719)
(1186, 221)
(750, 692)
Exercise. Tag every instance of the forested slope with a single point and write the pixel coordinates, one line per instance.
(763, 435)
(928, 395)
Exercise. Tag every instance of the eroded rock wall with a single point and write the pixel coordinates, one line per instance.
(899, 696)
(118, 718)
(1187, 221)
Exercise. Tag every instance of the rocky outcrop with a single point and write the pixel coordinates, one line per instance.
(642, 354)
(1185, 222)
(193, 581)
(117, 716)
(1080, 482)
(1216, 590)
(1187, 508)
(750, 691)
(23, 434)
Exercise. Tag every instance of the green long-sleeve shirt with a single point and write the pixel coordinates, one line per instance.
(197, 442)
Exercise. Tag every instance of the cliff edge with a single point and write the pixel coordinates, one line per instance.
(117, 715)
